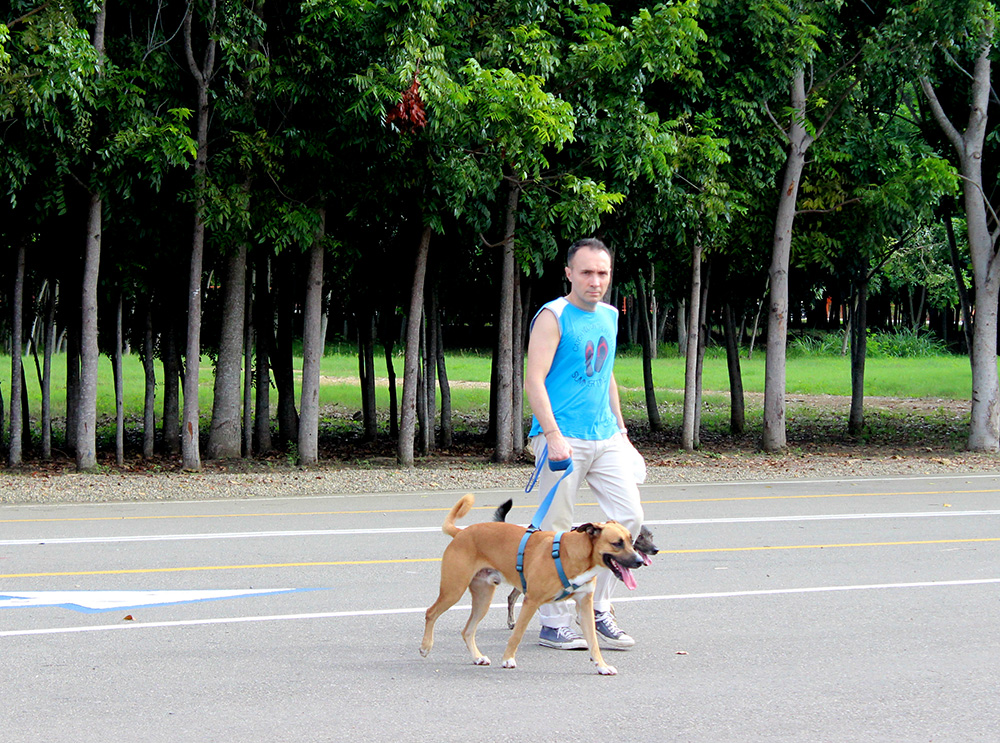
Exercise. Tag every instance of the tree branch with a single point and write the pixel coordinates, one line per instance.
(831, 209)
(28, 15)
(937, 111)
(780, 128)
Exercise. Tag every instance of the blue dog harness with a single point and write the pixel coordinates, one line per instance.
(566, 466)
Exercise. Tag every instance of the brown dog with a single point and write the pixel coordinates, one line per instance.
(643, 545)
(584, 552)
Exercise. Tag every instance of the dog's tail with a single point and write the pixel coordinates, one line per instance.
(457, 511)
(503, 509)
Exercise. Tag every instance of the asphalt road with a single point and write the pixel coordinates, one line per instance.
(855, 610)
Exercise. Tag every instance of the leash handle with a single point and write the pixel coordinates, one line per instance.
(557, 465)
(564, 465)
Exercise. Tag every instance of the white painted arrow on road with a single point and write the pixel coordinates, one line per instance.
(91, 602)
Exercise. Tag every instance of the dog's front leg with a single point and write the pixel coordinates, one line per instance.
(585, 611)
(528, 608)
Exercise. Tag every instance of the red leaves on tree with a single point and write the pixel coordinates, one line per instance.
(409, 113)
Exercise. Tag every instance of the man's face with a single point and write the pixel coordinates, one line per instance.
(589, 274)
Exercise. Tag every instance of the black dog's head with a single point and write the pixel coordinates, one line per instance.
(644, 545)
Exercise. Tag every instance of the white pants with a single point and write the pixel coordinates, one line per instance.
(606, 467)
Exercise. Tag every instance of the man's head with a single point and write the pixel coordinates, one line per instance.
(589, 272)
(587, 242)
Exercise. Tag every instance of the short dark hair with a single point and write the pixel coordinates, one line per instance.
(587, 242)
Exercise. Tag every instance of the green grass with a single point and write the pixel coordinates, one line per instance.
(935, 376)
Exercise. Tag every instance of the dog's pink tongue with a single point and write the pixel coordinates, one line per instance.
(628, 579)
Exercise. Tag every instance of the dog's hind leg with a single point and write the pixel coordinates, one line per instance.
(511, 601)
(482, 595)
(456, 574)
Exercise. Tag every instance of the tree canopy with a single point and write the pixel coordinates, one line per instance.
(441, 154)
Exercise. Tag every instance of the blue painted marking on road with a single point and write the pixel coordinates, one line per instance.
(96, 602)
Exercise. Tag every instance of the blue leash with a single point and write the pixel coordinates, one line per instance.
(566, 467)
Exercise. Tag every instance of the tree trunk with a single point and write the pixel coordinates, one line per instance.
(116, 361)
(422, 428)
(703, 333)
(446, 422)
(682, 327)
(517, 368)
(688, 424)
(190, 452)
(859, 352)
(224, 436)
(504, 447)
(984, 429)
(408, 414)
(386, 334)
(17, 412)
(648, 343)
(2, 419)
(366, 372)
(172, 373)
(86, 432)
(247, 445)
(51, 302)
(312, 348)
(777, 322)
(432, 326)
(149, 398)
(73, 371)
(264, 324)
(282, 356)
(956, 267)
(737, 405)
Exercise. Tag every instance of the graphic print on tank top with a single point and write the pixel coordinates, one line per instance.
(595, 358)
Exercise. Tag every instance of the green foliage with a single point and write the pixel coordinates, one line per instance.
(906, 343)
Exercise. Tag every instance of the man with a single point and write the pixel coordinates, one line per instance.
(571, 387)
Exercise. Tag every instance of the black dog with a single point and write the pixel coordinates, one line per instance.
(643, 545)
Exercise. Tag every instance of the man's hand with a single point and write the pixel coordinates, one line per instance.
(559, 447)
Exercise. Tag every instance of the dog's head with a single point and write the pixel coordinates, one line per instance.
(612, 546)
(644, 545)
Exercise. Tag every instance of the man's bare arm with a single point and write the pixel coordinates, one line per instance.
(542, 344)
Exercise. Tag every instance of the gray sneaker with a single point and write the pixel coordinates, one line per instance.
(561, 638)
(608, 632)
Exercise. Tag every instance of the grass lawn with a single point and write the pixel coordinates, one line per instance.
(947, 377)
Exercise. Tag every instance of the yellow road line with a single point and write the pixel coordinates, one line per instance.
(203, 568)
(829, 546)
(409, 560)
(483, 508)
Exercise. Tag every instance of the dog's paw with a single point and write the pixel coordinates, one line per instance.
(482, 660)
(424, 652)
(607, 670)
(510, 663)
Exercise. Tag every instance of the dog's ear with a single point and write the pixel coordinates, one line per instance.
(591, 529)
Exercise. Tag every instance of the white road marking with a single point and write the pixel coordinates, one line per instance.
(41, 541)
(98, 601)
(420, 610)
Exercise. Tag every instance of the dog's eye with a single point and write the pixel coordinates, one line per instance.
(620, 544)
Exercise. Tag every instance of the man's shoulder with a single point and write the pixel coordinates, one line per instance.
(605, 307)
(556, 307)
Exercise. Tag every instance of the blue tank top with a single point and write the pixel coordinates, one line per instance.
(579, 380)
